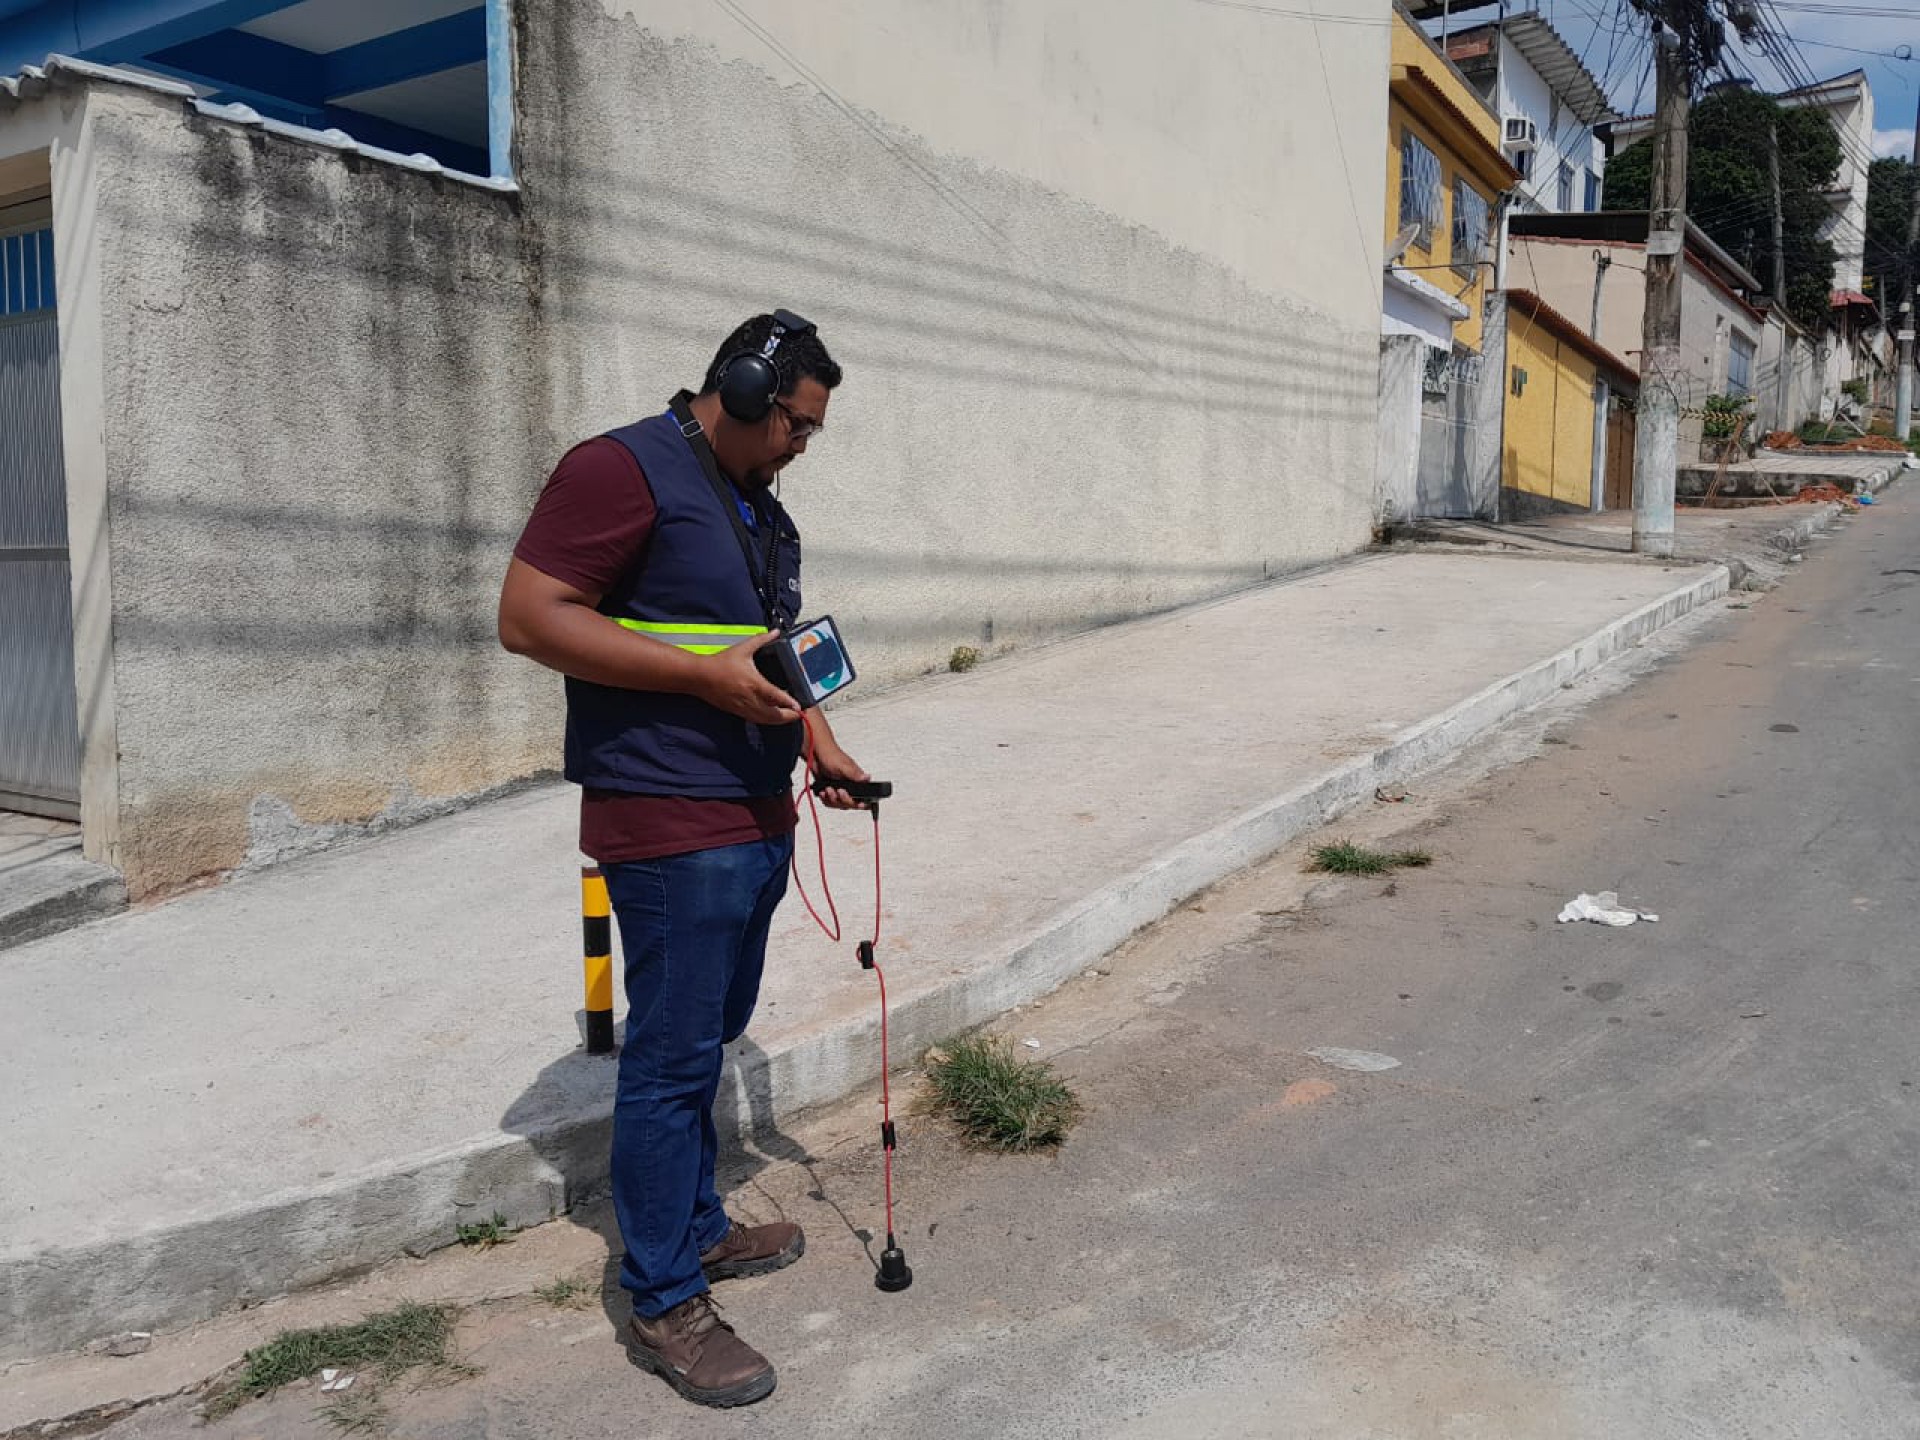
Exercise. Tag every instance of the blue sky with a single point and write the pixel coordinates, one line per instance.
(1828, 34)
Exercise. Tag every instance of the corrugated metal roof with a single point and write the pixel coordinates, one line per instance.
(1542, 48)
(35, 80)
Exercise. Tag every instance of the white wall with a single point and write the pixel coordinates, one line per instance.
(1104, 278)
(1522, 91)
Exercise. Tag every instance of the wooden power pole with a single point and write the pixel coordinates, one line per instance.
(1779, 240)
(1656, 447)
(1903, 384)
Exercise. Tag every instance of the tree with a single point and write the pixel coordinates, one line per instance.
(1890, 186)
(1730, 195)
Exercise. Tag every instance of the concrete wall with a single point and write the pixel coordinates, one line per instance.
(1402, 363)
(1787, 378)
(323, 394)
(1098, 364)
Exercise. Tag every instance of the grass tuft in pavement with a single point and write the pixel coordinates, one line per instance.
(485, 1234)
(569, 1292)
(389, 1343)
(358, 1412)
(1343, 857)
(997, 1099)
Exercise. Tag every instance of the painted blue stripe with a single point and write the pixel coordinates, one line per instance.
(408, 54)
(500, 88)
(113, 30)
(47, 287)
(263, 73)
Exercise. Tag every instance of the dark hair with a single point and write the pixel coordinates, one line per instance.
(798, 356)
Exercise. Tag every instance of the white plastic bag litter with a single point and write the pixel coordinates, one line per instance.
(1603, 909)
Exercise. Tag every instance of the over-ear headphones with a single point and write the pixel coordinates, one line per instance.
(748, 380)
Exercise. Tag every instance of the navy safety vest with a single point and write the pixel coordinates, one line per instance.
(691, 587)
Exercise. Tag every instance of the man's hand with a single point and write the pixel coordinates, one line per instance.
(831, 763)
(730, 681)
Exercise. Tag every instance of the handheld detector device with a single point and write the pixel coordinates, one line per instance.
(809, 662)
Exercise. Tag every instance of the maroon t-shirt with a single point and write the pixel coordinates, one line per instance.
(586, 529)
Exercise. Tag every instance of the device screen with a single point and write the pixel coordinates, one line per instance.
(821, 659)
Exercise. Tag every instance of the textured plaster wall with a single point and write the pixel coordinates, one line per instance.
(1104, 278)
(1402, 363)
(325, 390)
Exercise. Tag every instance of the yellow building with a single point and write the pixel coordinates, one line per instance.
(1439, 420)
(1568, 438)
(1445, 176)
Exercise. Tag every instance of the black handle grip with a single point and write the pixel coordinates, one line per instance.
(858, 789)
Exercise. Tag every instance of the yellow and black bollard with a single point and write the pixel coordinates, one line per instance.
(596, 934)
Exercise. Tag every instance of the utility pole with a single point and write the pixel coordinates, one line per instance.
(1779, 242)
(1903, 385)
(1656, 446)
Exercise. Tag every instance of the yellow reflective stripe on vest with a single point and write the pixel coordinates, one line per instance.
(699, 639)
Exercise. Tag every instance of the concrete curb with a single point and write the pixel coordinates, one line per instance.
(192, 1268)
(47, 896)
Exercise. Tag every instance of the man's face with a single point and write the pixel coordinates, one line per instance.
(767, 448)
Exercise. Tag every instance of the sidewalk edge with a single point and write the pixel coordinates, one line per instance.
(60, 1299)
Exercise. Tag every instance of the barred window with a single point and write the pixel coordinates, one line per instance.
(1469, 228)
(1422, 199)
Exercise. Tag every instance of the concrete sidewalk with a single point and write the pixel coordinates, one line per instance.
(324, 1065)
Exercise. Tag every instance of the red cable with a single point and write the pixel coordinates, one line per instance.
(819, 845)
(833, 934)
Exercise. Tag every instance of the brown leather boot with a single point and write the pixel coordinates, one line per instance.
(696, 1352)
(754, 1250)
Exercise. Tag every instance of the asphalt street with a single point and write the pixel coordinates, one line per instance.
(1644, 1182)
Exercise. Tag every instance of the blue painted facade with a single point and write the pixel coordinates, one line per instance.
(204, 43)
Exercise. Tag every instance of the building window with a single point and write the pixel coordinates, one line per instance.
(1469, 228)
(26, 272)
(1422, 200)
(1593, 191)
(1740, 365)
(1566, 188)
(1523, 162)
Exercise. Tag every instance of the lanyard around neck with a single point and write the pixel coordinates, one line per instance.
(762, 561)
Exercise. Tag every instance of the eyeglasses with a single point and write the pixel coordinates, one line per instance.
(798, 426)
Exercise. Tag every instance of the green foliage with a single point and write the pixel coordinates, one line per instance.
(1343, 857)
(391, 1343)
(485, 1234)
(1890, 186)
(1730, 195)
(1721, 414)
(997, 1099)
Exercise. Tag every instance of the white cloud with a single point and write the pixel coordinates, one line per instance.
(1893, 142)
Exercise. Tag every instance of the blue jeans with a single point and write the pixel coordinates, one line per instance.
(694, 932)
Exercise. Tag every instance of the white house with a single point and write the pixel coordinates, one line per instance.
(1548, 103)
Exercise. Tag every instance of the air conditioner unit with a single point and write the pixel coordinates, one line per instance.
(1522, 133)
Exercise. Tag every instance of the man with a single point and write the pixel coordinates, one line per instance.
(657, 562)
